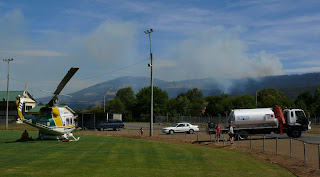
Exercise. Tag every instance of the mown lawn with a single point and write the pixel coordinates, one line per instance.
(116, 156)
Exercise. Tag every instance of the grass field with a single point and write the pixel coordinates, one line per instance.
(116, 156)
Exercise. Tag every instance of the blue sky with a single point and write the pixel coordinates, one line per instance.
(191, 39)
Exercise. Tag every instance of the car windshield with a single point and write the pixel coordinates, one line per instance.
(175, 125)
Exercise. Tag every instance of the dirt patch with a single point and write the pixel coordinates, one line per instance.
(280, 156)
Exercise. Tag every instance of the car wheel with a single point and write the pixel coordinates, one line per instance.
(171, 132)
(190, 131)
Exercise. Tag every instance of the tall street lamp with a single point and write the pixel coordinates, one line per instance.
(104, 102)
(150, 65)
(7, 115)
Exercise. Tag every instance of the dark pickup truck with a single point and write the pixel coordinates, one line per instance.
(114, 124)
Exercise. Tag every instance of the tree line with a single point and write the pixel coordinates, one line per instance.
(136, 107)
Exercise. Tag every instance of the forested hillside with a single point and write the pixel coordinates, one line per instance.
(291, 85)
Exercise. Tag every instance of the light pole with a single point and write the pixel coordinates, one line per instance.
(7, 115)
(150, 65)
(104, 102)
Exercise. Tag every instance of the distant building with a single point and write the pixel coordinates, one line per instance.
(29, 103)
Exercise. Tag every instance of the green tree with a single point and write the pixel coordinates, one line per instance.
(214, 107)
(115, 105)
(196, 101)
(304, 101)
(244, 101)
(143, 98)
(179, 105)
(316, 103)
(226, 103)
(127, 97)
(271, 97)
(219, 105)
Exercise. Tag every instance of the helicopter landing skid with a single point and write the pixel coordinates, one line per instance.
(70, 135)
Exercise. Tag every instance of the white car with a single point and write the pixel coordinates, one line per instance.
(181, 127)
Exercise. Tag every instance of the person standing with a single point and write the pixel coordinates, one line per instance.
(218, 132)
(231, 134)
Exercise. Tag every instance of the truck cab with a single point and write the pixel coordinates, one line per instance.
(296, 118)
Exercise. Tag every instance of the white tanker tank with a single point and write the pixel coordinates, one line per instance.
(260, 117)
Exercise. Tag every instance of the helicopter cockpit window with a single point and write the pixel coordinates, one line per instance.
(46, 114)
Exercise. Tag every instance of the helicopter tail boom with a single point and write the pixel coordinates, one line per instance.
(19, 103)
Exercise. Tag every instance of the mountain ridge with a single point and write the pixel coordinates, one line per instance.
(292, 85)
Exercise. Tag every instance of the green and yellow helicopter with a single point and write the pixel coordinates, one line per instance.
(53, 121)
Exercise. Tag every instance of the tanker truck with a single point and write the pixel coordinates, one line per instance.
(265, 121)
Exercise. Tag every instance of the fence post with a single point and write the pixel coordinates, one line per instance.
(264, 147)
(319, 154)
(277, 145)
(197, 137)
(82, 120)
(290, 147)
(304, 152)
(94, 120)
(223, 141)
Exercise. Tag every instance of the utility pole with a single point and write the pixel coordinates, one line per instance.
(150, 65)
(7, 112)
(104, 102)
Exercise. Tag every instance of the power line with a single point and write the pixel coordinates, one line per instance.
(114, 71)
(110, 72)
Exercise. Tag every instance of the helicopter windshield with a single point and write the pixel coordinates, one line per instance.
(46, 113)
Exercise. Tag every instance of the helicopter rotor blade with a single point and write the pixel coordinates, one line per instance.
(62, 84)
(65, 80)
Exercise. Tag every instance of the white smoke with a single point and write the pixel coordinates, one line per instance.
(217, 53)
(112, 43)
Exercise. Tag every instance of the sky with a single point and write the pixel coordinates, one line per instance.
(191, 39)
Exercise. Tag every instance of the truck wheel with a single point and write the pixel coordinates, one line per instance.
(190, 131)
(101, 129)
(171, 132)
(243, 134)
(295, 133)
(289, 133)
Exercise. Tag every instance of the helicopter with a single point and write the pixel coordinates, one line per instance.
(53, 121)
